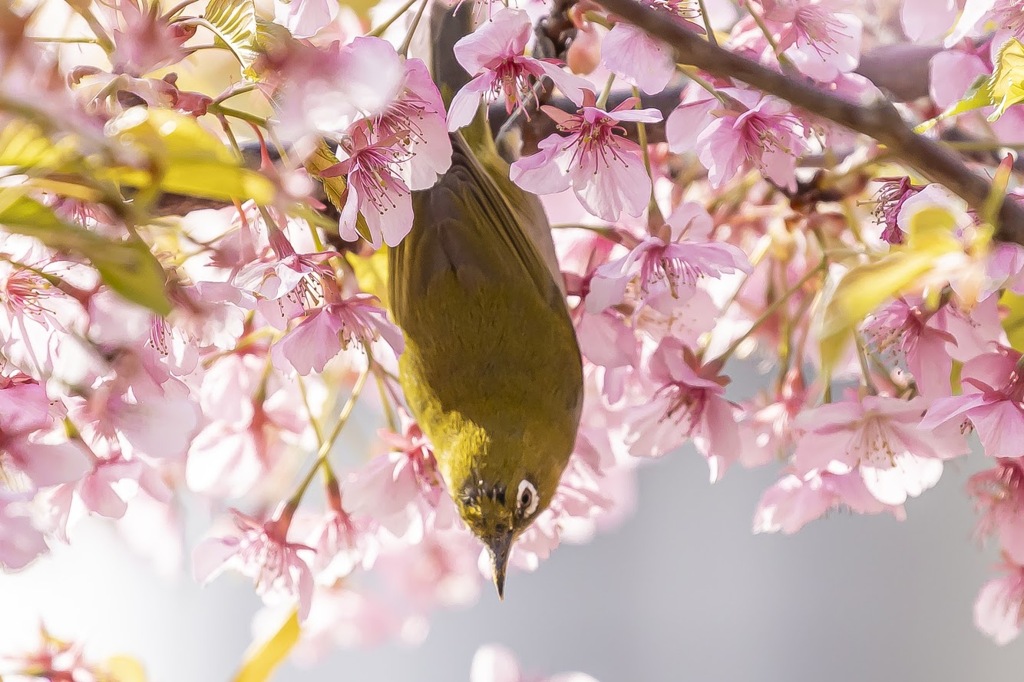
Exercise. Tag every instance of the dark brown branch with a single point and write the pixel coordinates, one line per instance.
(880, 120)
(900, 70)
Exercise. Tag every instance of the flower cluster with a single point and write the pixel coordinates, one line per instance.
(176, 325)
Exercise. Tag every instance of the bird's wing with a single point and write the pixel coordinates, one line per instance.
(471, 227)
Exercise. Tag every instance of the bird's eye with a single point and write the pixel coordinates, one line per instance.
(526, 498)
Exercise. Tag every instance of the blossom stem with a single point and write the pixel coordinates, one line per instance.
(641, 133)
(326, 445)
(313, 421)
(865, 371)
(216, 108)
(707, 23)
(67, 41)
(174, 11)
(772, 309)
(691, 73)
(379, 31)
(231, 136)
(380, 375)
(602, 101)
(102, 39)
(597, 18)
(759, 20)
(233, 91)
(404, 48)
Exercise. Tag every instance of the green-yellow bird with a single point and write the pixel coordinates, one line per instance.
(491, 367)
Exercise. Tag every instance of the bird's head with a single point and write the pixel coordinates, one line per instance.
(498, 509)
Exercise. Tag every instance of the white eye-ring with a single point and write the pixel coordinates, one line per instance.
(526, 498)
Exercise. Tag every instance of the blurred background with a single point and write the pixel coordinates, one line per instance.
(681, 592)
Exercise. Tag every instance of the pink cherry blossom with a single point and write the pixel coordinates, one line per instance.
(54, 660)
(403, 491)
(992, 402)
(640, 60)
(891, 197)
(605, 170)
(285, 280)
(930, 339)
(439, 571)
(29, 439)
(976, 13)
(105, 491)
(304, 18)
(999, 497)
(343, 616)
(343, 542)
(689, 402)
(821, 39)
(794, 501)
(326, 331)
(999, 608)
(751, 130)
(493, 55)
(883, 438)
(144, 40)
(325, 91)
(252, 422)
(21, 541)
(416, 117)
(374, 187)
(261, 551)
(656, 265)
(927, 20)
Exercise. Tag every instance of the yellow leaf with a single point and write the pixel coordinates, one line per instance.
(1013, 323)
(931, 234)
(261, 661)
(1006, 86)
(931, 231)
(23, 145)
(188, 159)
(320, 160)
(372, 273)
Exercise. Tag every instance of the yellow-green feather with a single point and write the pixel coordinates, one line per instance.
(491, 367)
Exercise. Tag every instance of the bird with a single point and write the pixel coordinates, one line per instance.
(491, 369)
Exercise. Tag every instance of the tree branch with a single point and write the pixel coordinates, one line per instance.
(880, 120)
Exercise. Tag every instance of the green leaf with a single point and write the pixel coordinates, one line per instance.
(977, 97)
(261, 661)
(1007, 82)
(129, 268)
(234, 22)
(133, 271)
(188, 159)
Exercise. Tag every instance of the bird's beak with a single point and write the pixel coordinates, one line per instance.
(500, 547)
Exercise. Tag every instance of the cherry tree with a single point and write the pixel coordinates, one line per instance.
(192, 259)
